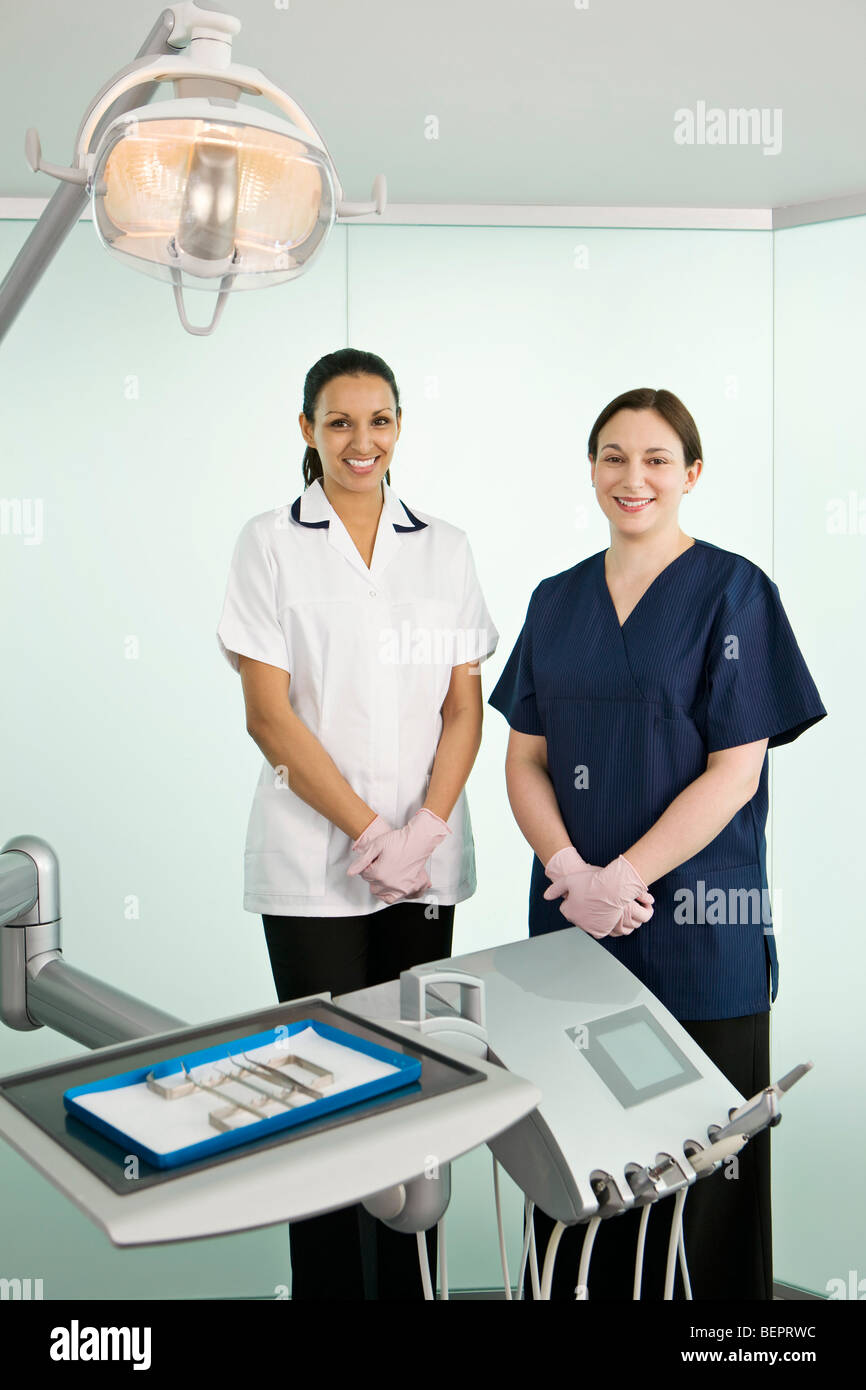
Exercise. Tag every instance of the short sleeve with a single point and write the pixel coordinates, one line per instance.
(477, 637)
(758, 684)
(249, 625)
(514, 694)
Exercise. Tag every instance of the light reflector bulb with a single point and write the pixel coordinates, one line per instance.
(201, 193)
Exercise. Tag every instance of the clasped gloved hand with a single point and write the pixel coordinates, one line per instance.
(609, 901)
(393, 861)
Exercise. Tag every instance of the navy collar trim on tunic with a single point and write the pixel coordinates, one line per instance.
(416, 523)
(296, 516)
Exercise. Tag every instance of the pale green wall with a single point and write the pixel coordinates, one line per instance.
(505, 342)
(820, 567)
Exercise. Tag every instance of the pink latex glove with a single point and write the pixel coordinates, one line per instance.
(394, 863)
(609, 901)
(378, 826)
(375, 830)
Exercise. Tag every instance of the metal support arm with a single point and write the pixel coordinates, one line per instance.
(37, 987)
(69, 200)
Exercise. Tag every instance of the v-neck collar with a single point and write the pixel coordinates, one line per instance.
(313, 509)
(647, 591)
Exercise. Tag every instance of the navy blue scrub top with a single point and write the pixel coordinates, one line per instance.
(705, 660)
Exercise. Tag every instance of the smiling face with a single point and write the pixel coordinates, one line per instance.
(355, 431)
(639, 473)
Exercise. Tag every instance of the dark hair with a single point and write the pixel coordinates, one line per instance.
(346, 362)
(669, 406)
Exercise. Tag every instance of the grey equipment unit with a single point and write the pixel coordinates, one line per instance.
(328, 1163)
(334, 1161)
(627, 1095)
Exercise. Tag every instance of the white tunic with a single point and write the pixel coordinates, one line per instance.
(370, 653)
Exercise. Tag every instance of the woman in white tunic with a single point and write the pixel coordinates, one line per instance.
(357, 626)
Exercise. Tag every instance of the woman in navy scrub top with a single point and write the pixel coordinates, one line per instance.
(643, 692)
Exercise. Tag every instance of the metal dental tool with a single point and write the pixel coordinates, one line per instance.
(284, 1090)
(324, 1077)
(162, 1088)
(287, 1084)
(761, 1110)
(222, 1119)
(213, 1090)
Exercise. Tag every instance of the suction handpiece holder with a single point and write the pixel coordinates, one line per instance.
(419, 1204)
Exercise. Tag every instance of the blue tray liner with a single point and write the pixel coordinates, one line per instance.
(408, 1071)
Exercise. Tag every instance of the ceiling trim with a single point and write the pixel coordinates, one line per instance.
(503, 215)
(540, 215)
(799, 214)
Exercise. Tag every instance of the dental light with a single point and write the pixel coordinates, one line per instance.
(202, 191)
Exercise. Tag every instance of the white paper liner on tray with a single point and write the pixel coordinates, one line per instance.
(166, 1125)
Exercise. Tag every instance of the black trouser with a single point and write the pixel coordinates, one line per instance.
(349, 1253)
(726, 1220)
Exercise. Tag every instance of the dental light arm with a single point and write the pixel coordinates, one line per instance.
(69, 200)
